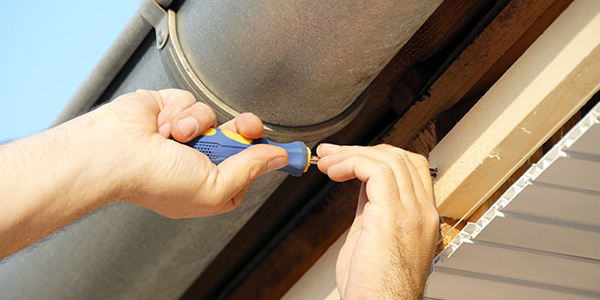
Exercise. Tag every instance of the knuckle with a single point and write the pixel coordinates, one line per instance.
(401, 153)
(247, 115)
(384, 145)
(146, 93)
(183, 93)
(206, 109)
(385, 169)
(432, 218)
(421, 158)
(141, 91)
(353, 148)
(398, 156)
(394, 150)
(139, 94)
(181, 97)
(203, 106)
(418, 160)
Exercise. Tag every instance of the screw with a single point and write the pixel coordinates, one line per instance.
(161, 37)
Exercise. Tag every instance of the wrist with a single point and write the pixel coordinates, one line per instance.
(80, 154)
(101, 158)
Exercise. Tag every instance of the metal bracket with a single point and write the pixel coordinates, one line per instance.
(182, 72)
(156, 16)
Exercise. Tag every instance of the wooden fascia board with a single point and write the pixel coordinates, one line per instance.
(487, 45)
(272, 276)
(547, 85)
(535, 97)
(475, 60)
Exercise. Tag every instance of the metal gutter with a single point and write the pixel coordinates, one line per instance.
(124, 251)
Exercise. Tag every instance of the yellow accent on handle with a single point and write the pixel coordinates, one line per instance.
(236, 137)
(210, 132)
(307, 159)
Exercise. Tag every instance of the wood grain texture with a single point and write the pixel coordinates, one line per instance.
(470, 66)
(292, 257)
(301, 247)
(534, 158)
(541, 91)
(322, 291)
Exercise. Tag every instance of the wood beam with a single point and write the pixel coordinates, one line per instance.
(535, 97)
(329, 215)
(548, 84)
(539, 153)
(333, 214)
(469, 67)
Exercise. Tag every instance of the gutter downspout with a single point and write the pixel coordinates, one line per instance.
(242, 51)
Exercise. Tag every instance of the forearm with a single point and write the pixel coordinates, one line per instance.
(405, 277)
(394, 270)
(123, 150)
(48, 180)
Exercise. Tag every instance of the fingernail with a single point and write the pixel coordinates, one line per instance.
(328, 147)
(188, 126)
(277, 163)
(165, 130)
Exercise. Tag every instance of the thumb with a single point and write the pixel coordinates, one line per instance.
(240, 170)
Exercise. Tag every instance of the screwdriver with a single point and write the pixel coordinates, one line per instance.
(219, 144)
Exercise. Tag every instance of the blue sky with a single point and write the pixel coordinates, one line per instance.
(47, 50)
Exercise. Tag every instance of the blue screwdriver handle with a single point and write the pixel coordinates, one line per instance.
(219, 144)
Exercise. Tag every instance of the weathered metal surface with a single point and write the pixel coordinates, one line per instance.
(295, 63)
(310, 66)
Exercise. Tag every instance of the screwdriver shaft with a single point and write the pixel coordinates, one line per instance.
(314, 160)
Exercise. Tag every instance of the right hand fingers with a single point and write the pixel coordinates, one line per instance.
(412, 179)
(387, 157)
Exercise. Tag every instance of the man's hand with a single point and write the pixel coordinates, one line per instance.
(176, 180)
(123, 151)
(390, 246)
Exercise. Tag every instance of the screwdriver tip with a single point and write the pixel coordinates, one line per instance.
(433, 172)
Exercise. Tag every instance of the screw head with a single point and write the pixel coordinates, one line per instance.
(161, 37)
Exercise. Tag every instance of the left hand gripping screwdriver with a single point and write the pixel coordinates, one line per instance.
(219, 144)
